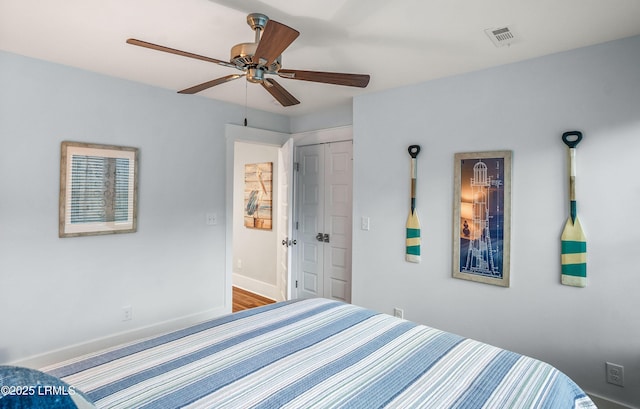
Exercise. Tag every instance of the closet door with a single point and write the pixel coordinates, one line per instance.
(337, 220)
(324, 209)
(310, 223)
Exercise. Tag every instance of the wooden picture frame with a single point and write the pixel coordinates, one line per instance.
(258, 195)
(98, 189)
(482, 217)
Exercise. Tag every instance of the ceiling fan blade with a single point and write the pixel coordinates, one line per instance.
(337, 78)
(157, 47)
(209, 84)
(279, 93)
(275, 39)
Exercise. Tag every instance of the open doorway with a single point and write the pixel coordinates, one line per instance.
(258, 220)
(254, 250)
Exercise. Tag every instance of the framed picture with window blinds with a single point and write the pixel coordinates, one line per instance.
(98, 189)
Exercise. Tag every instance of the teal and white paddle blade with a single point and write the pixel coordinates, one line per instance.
(574, 254)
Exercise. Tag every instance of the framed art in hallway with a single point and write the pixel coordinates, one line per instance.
(258, 195)
(98, 189)
(482, 217)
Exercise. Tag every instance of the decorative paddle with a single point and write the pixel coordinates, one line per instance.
(413, 224)
(574, 241)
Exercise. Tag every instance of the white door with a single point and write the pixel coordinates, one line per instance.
(337, 220)
(323, 235)
(285, 195)
(310, 211)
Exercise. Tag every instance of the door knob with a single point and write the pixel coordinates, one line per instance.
(326, 237)
(319, 237)
(288, 243)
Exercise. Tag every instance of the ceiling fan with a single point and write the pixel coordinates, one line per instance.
(263, 57)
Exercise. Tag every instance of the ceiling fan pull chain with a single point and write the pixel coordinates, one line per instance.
(245, 103)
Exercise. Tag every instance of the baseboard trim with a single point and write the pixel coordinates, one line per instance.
(605, 403)
(258, 287)
(58, 355)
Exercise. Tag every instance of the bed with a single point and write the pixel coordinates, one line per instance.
(315, 353)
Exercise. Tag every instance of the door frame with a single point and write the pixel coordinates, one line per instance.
(233, 134)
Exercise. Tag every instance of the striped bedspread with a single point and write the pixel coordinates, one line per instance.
(316, 353)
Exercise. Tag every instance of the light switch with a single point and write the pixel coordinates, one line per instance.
(364, 223)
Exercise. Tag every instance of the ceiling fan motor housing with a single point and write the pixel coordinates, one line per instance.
(242, 54)
(242, 57)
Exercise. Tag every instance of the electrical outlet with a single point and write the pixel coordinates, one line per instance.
(615, 374)
(398, 312)
(127, 313)
(211, 219)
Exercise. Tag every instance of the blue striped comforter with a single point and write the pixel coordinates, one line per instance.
(316, 353)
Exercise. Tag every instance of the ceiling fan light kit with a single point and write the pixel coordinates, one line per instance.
(263, 57)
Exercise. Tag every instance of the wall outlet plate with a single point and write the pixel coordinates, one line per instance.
(365, 223)
(127, 313)
(615, 374)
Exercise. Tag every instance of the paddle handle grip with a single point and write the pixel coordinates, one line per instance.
(572, 138)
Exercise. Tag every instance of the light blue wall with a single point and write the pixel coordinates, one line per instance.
(334, 117)
(523, 107)
(59, 292)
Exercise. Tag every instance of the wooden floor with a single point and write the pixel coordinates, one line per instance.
(243, 299)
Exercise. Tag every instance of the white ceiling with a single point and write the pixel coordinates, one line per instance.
(397, 42)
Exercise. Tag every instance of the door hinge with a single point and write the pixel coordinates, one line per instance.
(297, 166)
(296, 283)
(296, 225)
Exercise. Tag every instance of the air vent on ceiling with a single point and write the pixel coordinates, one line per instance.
(501, 36)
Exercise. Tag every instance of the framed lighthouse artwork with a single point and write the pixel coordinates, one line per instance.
(482, 217)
